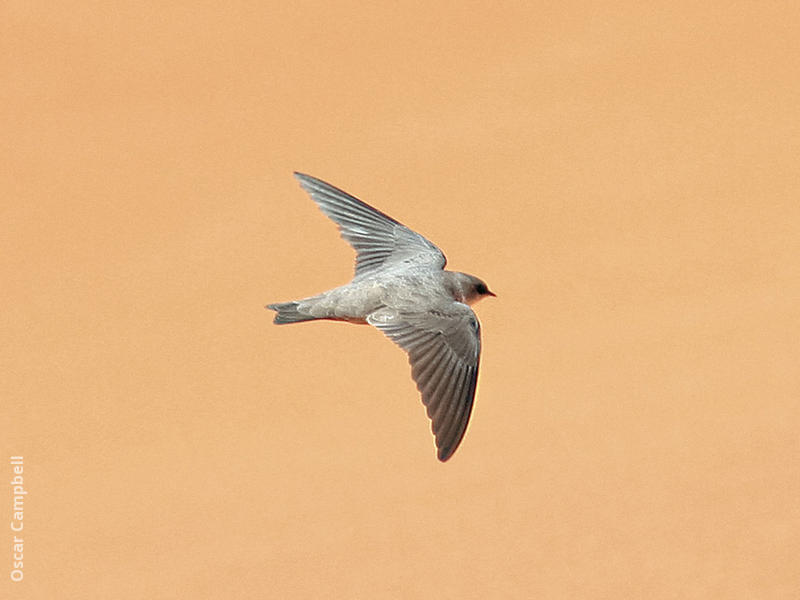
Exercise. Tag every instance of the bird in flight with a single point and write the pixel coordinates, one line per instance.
(400, 286)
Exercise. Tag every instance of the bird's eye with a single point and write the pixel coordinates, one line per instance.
(481, 289)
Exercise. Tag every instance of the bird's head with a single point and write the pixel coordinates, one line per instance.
(469, 289)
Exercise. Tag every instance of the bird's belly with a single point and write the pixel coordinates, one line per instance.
(358, 299)
(351, 302)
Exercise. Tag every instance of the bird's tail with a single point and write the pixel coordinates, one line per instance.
(287, 313)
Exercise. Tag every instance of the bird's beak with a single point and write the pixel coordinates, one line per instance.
(490, 293)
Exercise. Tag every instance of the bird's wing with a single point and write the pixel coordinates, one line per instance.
(444, 348)
(378, 239)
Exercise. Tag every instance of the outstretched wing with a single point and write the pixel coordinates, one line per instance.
(378, 239)
(444, 350)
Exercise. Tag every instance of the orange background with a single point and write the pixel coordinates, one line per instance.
(625, 178)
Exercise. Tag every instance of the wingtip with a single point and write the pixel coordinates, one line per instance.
(303, 177)
(444, 454)
(310, 183)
